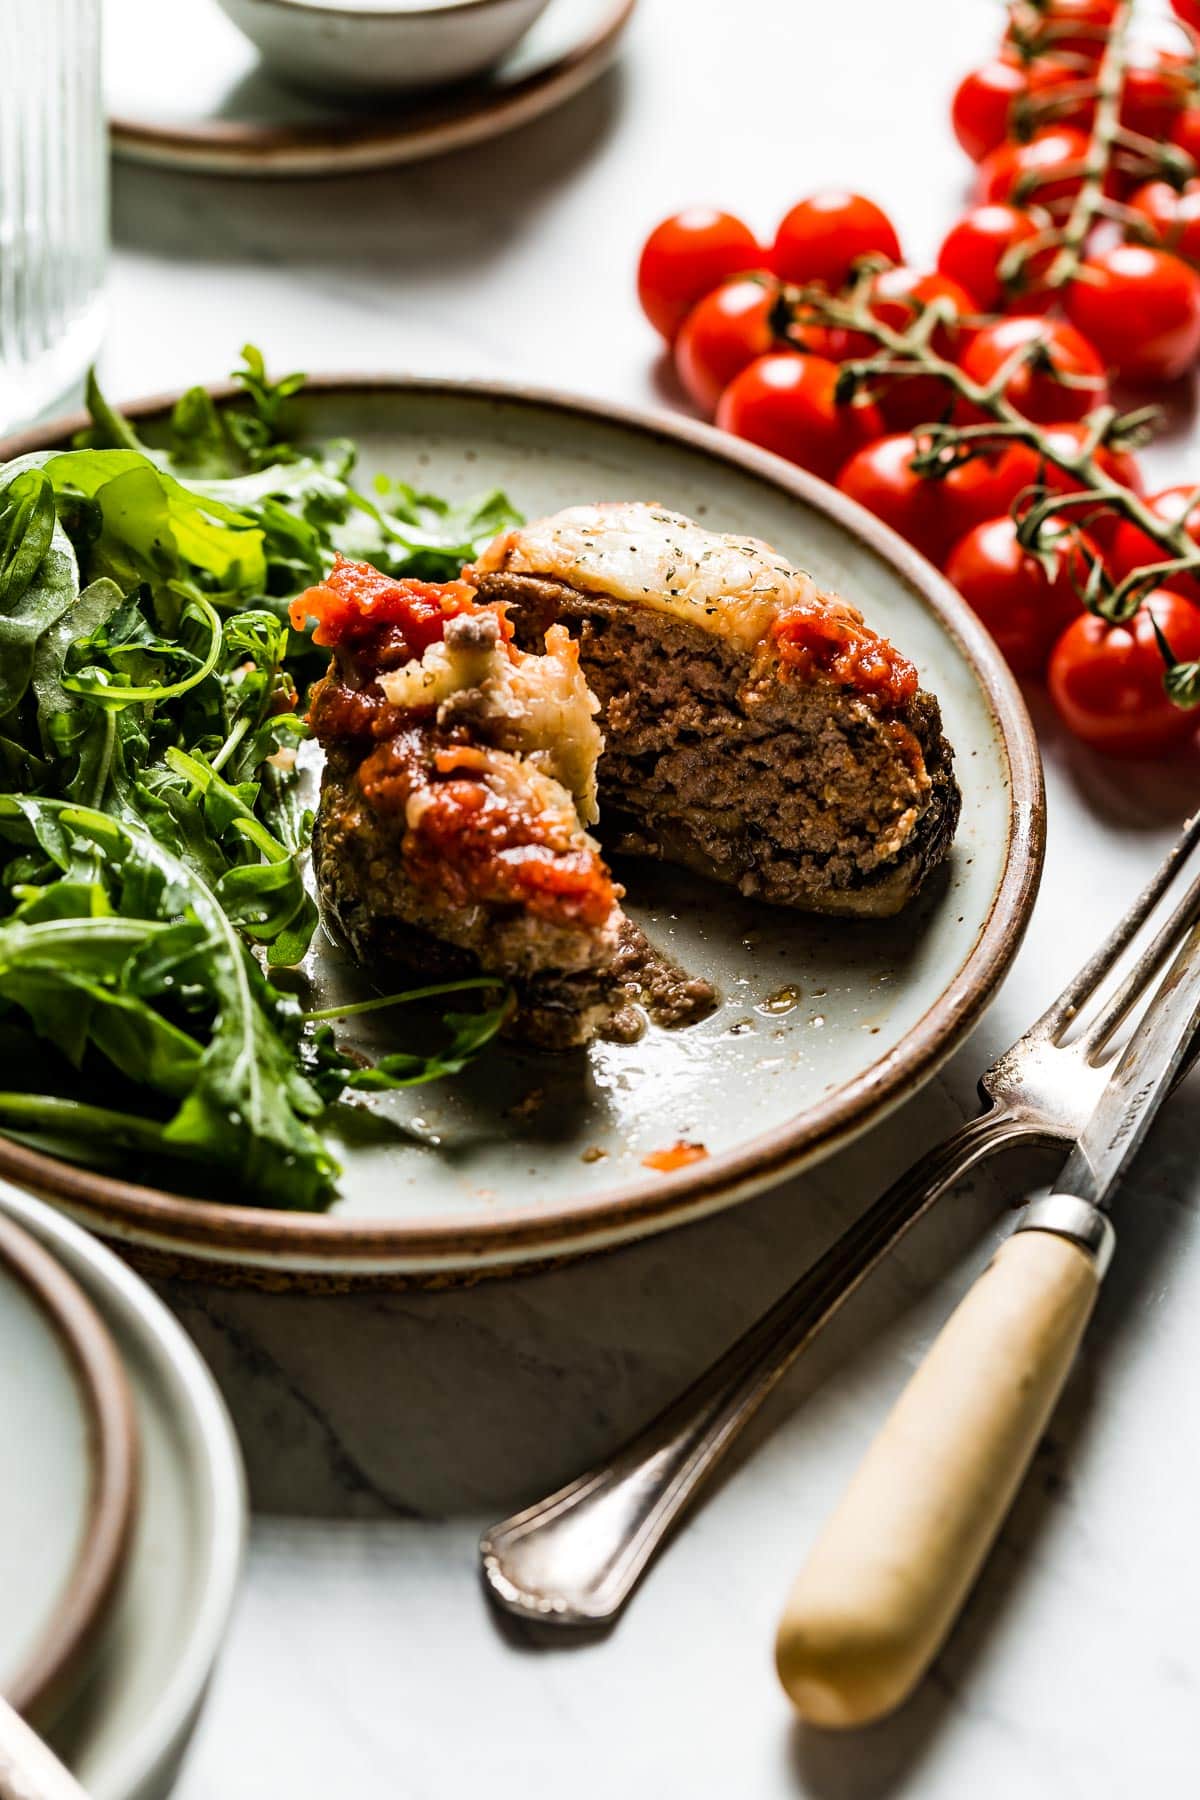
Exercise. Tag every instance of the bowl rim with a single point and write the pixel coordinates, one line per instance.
(60, 1656)
(393, 15)
(303, 1243)
(428, 125)
(205, 1442)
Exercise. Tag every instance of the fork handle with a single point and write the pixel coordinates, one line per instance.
(885, 1581)
(575, 1557)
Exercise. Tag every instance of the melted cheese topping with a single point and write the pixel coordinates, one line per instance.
(539, 708)
(733, 586)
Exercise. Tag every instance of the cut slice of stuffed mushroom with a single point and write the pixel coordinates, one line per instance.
(756, 730)
(460, 776)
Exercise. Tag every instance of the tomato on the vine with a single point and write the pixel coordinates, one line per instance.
(807, 331)
(1047, 170)
(1131, 548)
(990, 484)
(895, 298)
(822, 238)
(723, 333)
(786, 403)
(881, 477)
(1074, 27)
(1057, 93)
(1106, 681)
(933, 512)
(1155, 91)
(685, 257)
(1185, 132)
(973, 250)
(1171, 218)
(982, 104)
(1140, 307)
(1188, 11)
(1025, 608)
(1057, 349)
(1069, 436)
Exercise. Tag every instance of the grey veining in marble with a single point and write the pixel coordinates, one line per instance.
(382, 1431)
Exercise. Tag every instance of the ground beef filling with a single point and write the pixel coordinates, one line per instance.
(770, 772)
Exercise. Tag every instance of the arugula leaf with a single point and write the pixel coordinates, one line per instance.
(149, 788)
(244, 1102)
(39, 576)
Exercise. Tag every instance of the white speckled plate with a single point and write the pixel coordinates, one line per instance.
(825, 1024)
(128, 1725)
(214, 108)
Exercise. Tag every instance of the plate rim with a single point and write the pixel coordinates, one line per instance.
(62, 1650)
(129, 1306)
(250, 1239)
(225, 147)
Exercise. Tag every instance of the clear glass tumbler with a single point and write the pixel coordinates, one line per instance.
(53, 200)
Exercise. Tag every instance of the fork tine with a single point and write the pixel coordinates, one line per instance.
(1144, 969)
(1059, 1014)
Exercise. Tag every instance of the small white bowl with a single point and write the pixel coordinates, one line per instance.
(382, 46)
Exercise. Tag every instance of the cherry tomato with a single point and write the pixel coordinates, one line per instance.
(1054, 96)
(687, 256)
(1047, 170)
(1069, 435)
(989, 485)
(1141, 309)
(982, 101)
(1185, 132)
(807, 332)
(823, 237)
(1131, 549)
(896, 297)
(1032, 387)
(1077, 27)
(1120, 465)
(1025, 609)
(1156, 90)
(1106, 681)
(1172, 219)
(786, 403)
(722, 333)
(933, 513)
(881, 478)
(972, 252)
(1188, 11)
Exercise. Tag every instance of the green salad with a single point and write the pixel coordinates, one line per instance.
(153, 838)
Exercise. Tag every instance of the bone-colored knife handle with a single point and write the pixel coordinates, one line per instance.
(886, 1579)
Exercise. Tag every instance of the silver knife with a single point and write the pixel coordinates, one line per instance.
(885, 1581)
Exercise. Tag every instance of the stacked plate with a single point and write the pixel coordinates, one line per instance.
(122, 1508)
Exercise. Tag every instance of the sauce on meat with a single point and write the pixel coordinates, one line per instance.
(460, 838)
(814, 636)
(359, 608)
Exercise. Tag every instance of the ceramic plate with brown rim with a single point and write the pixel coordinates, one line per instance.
(68, 1476)
(217, 110)
(824, 1025)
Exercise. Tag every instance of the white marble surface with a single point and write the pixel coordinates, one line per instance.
(383, 1432)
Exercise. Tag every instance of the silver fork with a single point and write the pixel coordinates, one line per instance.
(575, 1557)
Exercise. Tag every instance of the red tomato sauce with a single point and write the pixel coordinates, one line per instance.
(356, 605)
(812, 637)
(475, 848)
(677, 1157)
